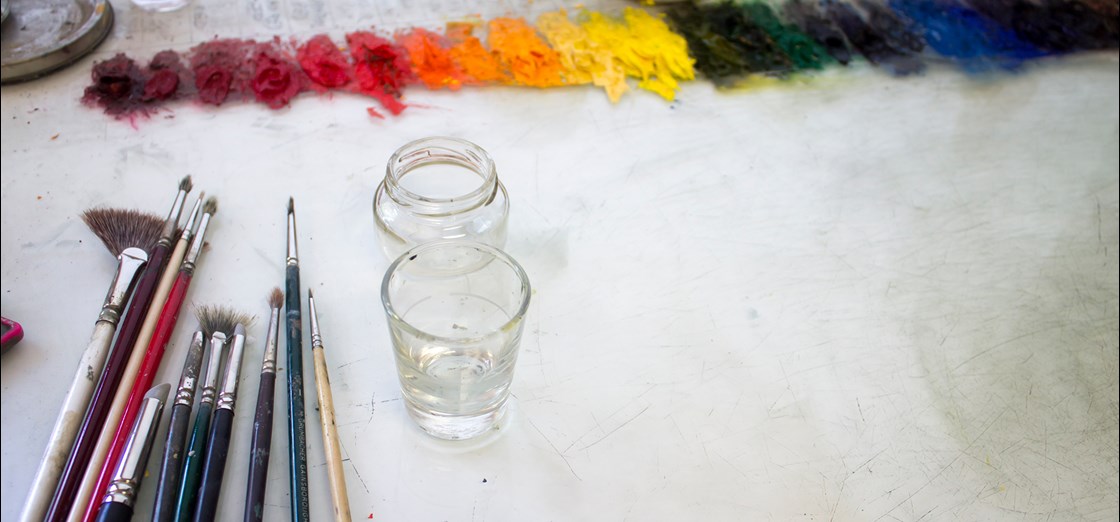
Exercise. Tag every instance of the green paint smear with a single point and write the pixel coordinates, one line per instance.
(727, 44)
(804, 52)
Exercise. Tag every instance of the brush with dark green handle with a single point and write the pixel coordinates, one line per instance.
(297, 429)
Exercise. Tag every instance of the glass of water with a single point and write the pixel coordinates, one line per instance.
(456, 311)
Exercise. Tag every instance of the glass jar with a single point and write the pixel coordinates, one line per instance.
(439, 188)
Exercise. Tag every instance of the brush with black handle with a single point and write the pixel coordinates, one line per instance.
(121, 495)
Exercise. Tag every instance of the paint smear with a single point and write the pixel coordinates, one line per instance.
(582, 59)
(804, 53)
(380, 68)
(528, 58)
(820, 29)
(645, 48)
(477, 62)
(218, 68)
(432, 60)
(324, 64)
(277, 78)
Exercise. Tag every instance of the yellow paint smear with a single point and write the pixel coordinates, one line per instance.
(584, 60)
(644, 46)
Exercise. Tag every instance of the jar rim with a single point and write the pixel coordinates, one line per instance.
(488, 172)
(498, 255)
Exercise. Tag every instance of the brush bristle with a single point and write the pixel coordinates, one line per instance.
(210, 206)
(222, 319)
(124, 228)
(291, 204)
(186, 184)
(276, 298)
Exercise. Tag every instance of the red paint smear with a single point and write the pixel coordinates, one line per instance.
(324, 64)
(431, 59)
(276, 80)
(217, 67)
(373, 112)
(380, 68)
(468, 51)
(165, 75)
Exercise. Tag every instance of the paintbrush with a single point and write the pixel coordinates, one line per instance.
(217, 326)
(217, 447)
(331, 446)
(171, 465)
(118, 503)
(297, 429)
(129, 235)
(95, 416)
(261, 447)
(152, 357)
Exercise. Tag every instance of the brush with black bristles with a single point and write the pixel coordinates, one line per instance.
(82, 453)
(261, 448)
(129, 235)
(221, 429)
(217, 325)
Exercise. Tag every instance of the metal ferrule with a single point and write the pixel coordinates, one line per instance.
(129, 264)
(172, 220)
(126, 480)
(188, 383)
(228, 396)
(214, 363)
(269, 365)
(316, 339)
(293, 251)
(188, 226)
(195, 250)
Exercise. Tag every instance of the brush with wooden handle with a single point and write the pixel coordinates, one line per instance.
(331, 446)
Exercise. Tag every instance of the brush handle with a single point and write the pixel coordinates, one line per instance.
(331, 446)
(297, 428)
(171, 466)
(147, 374)
(114, 512)
(192, 464)
(69, 419)
(217, 448)
(261, 448)
(92, 424)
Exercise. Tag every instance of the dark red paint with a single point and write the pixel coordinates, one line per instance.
(118, 85)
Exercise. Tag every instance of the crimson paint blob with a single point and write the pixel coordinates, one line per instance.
(324, 63)
(276, 80)
(381, 69)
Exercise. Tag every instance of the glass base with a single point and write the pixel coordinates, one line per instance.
(457, 427)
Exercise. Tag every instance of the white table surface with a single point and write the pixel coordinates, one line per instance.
(862, 298)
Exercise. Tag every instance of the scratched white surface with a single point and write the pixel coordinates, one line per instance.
(860, 299)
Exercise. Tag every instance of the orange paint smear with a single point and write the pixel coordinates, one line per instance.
(432, 60)
(529, 59)
(476, 62)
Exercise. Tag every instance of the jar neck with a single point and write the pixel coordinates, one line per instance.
(441, 151)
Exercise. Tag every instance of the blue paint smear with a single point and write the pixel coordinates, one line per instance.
(977, 44)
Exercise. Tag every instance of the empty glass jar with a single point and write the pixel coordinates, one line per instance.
(439, 188)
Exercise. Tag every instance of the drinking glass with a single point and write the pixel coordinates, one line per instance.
(456, 311)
